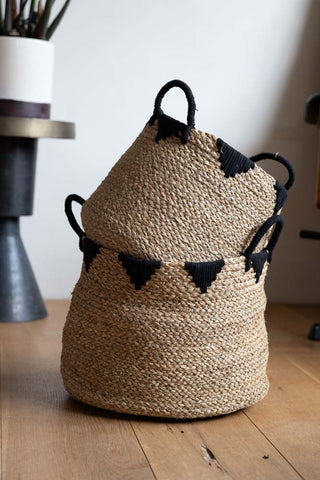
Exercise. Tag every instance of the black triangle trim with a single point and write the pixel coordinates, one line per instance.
(257, 261)
(90, 251)
(168, 126)
(232, 161)
(282, 194)
(204, 273)
(139, 270)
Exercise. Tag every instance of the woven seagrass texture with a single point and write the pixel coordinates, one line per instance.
(166, 350)
(172, 201)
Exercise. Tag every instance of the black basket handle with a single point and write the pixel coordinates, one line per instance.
(70, 215)
(168, 126)
(276, 220)
(280, 159)
(188, 93)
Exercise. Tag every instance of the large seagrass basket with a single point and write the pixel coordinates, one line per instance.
(167, 318)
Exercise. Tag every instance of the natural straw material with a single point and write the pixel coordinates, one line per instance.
(167, 318)
(172, 201)
(166, 350)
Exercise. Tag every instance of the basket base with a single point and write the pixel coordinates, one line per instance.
(79, 393)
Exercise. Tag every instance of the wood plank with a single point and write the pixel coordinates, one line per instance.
(309, 312)
(226, 447)
(47, 435)
(307, 361)
(175, 451)
(288, 328)
(290, 415)
(236, 445)
(248, 453)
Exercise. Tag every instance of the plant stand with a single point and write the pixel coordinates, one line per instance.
(20, 297)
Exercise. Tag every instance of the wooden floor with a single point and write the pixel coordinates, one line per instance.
(45, 435)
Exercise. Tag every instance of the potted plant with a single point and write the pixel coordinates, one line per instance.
(26, 57)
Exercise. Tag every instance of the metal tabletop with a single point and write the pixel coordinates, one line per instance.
(35, 128)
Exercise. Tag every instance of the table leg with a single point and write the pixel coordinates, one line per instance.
(20, 298)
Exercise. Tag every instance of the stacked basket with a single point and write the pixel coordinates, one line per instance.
(167, 318)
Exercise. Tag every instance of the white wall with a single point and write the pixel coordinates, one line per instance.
(250, 64)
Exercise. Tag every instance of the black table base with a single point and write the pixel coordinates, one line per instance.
(20, 298)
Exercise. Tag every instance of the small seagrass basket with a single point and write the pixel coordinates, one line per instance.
(167, 318)
(180, 194)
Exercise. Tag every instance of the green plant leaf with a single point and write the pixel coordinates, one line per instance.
(23, 4)
(14, 21)
(32, 7)
(32, 19)
(20, 16)
(18, 22)
(8, 17)
(57, 20)
(41, 29)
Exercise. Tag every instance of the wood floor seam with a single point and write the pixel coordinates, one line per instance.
(144, 453)
(312, 377)
(274, 446)
(206, 444)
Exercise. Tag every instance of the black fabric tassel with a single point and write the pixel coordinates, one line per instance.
(232, 161)
(204, 273)
(139, 270)
(257, 261)
(281, 197)
(168, 126)
(90, 251)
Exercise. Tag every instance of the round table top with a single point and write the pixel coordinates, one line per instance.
(35, 128)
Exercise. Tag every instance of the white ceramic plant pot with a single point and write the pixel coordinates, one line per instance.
(26, 76)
